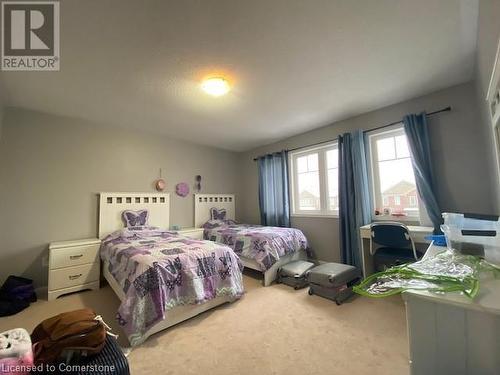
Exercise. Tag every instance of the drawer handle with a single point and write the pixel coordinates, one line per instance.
(74, 277)
(74, 257)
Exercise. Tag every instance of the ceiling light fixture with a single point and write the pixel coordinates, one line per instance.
(215, 86)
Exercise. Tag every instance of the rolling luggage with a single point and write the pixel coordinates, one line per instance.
(333, 281)
(295, 273)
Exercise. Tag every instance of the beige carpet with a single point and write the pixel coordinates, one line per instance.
(273, 330)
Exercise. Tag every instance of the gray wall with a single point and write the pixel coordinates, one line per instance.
(52, 167)
(458, 140)
(1, 119)
(2, 111)
(487, 42)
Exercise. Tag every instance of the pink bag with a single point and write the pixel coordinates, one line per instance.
(16, 355)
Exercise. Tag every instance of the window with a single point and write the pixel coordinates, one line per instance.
(393, 182)
(314, 181)
(413, 201)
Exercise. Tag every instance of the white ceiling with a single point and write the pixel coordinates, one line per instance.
(296, 64)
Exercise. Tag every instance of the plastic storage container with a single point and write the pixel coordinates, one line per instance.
(473, 234)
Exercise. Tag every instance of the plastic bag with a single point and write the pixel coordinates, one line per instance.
(446, 272)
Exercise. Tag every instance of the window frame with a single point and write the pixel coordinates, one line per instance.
(324, 210)
(413, 201)
(374, 178)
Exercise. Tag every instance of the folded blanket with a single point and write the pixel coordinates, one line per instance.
(16, 356)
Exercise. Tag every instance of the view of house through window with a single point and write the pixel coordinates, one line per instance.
(314, 180)
(308, 182)
(394, 188)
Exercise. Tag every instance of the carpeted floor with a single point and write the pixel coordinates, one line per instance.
(273, 330)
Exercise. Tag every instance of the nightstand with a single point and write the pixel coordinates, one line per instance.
(73, 266)
(194, 233)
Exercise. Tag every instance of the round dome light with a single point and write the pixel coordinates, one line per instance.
(215, 86)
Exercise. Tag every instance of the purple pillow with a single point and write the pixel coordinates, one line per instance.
(217, 214)
(135, 218)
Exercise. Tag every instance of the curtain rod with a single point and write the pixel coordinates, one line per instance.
(446, 109)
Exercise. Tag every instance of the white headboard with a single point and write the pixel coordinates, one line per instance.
(111, 206)
(204, 202)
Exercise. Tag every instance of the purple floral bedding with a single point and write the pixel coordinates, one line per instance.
(263, 244)
(159, 270)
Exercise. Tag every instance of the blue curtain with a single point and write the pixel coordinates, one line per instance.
(354, 195)
(420, 150)
(273, 190)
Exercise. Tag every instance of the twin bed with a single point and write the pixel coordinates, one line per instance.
(163, 278)
(264, 249)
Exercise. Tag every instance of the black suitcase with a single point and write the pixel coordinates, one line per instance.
(333, 281)
(295, 273)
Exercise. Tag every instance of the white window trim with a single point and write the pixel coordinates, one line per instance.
(412, 200)
(324, 212)
(375, 183)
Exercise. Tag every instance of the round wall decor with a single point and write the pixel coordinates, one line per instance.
(160, 184)
(182, 189)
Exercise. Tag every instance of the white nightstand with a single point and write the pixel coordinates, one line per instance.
(73, 266)
(195, 233)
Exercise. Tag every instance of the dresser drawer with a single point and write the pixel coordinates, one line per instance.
(73, 256)
(73, 276)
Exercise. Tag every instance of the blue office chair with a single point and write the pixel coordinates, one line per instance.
(396, 245)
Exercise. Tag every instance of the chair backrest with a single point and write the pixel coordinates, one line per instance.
(390, 234)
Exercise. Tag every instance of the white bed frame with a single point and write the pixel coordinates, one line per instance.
(111, 205)
(202, 205)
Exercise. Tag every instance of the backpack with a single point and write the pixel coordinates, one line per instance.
(79, 331)
(16, 294)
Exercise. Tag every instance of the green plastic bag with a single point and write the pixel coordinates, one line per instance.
(446, 272)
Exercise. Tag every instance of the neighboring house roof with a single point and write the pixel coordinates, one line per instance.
(401, 188)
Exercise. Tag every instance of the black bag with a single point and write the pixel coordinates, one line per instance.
(110, 361)
(16, 294)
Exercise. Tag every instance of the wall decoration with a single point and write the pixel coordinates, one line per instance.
(197, 185)
(182, 189)
(160, 184)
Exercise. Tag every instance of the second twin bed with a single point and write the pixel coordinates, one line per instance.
(261, 248)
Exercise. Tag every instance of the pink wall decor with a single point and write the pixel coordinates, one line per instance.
(160, 184)
(182, 189)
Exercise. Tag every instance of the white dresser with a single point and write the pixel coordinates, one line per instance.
(73, 266)
(450, 333)
(195, 233)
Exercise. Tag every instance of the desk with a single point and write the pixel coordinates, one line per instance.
(418, 234)
(450, 333)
